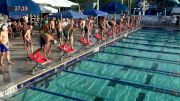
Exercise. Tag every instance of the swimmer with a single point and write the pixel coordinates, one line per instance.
(89, 26)
(45, 41)
(102, 26)
(4, 45)
(69, 33)
(27, 40)
(59, 28)
(52, 27)
(83, 25)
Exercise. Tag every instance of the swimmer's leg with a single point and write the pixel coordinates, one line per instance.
(9, 58)
(1, 58)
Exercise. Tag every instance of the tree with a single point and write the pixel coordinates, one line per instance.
(106, 1)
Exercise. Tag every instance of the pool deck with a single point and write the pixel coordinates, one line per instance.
(14, 78)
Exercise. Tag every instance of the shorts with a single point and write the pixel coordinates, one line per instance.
(14, 30)
(83, 29)
(60, 34)
(65, 33)
(86, 29)
(53, 31)
(3, 48)
(27, 42)
(42, 42)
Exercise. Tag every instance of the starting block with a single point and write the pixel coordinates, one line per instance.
(66, 48)
(85, 42)
(39, 59)
(99, 36)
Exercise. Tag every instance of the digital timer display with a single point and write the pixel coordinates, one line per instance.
(18, 8)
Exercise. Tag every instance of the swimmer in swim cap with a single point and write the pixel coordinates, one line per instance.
(46, 29)
(4, 27)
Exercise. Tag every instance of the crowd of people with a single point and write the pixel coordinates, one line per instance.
(62, 31)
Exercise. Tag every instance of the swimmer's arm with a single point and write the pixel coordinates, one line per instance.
(92, 23)
(21, 35)
(69, 31)
(1, 39)
(81, 23)
(9, 44)
(26, 36)
(51, 25)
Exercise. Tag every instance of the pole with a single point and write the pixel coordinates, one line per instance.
(128, 3)
(130, 6)
(79, 8)
(143, 7)
(97, 9)
(122, 1)
(97, 4)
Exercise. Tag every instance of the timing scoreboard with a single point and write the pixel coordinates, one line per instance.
(18, 8)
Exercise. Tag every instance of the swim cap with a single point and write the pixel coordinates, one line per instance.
(4, 27)
(46, 22)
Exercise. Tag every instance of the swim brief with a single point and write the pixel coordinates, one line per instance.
(42, 42)
(3, 48)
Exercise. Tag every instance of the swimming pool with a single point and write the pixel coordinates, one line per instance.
(142, 67)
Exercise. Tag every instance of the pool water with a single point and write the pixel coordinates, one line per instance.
(142, 67)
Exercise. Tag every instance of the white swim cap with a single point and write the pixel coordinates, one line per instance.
(4, 27)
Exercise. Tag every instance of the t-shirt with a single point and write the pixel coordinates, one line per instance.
(174, 20)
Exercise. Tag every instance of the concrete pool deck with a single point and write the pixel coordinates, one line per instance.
(18, 76)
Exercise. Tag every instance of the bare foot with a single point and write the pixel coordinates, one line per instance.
(1, 64)
(73, 49)
(10, 63)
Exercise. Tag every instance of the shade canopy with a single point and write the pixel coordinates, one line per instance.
(43, 1)
(68, 14)
(63, 3)
(47, 9)
(95, 13)
(17, 8)
(57, 3)
(115, 8)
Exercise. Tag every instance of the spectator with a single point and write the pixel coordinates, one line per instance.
(173, 20)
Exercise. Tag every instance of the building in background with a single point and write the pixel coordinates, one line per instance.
(162, 7)
(156, 6)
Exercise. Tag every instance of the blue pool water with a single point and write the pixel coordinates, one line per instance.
(142, 67)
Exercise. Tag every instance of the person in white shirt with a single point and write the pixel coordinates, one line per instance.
(174, 19)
